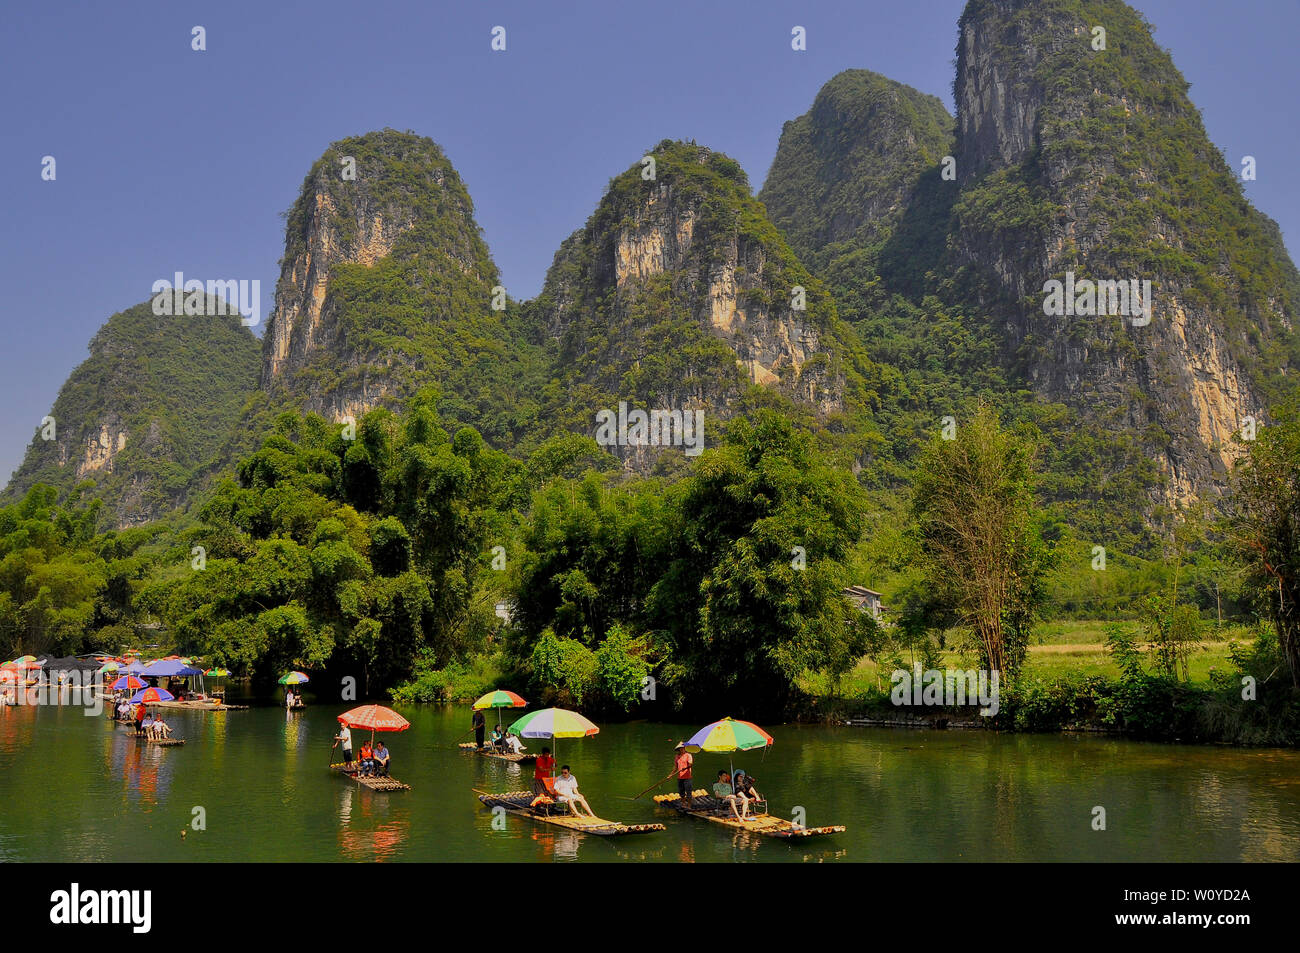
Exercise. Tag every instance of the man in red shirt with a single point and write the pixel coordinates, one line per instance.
(684, 760)
(139, 719)
(545, 767)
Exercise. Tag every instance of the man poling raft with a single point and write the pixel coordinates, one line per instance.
(736, 805)
(505, 745)
(372, 770)
(559, 802)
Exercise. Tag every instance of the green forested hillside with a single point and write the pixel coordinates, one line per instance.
(145, 413)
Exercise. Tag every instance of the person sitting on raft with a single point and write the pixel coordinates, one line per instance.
(566, 790)
(744, 786)
(513, 744)
(147, 725)
(367, 759)
(381, 761)
(499, 738)
(723, 791)
(160, 728)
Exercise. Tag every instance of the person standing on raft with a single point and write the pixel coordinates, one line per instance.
(683, 761)
(345, 736)
(479, 724)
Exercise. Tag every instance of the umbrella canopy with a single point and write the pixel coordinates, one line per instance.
(729, 735)
(152, 695)
(499, 698)
(165, 667)
(553, 723)
(375, 718)
(25, 658)
(108, 666)
(217, 673)
(131, 682)
(293, 678)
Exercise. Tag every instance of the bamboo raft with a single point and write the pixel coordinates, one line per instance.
(500, 756)
(709, 808)
(200, 706)
(164, 742)
(381, 783)
(518, 803)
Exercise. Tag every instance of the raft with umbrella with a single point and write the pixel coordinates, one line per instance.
(729, 735)
(555, 723)
(497, 699)
(374, 718)
(150, 696)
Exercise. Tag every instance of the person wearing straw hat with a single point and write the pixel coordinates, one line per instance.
(683, 762)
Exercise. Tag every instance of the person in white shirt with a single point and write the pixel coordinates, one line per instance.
(345, 736)
(566, 788)
(514, 744)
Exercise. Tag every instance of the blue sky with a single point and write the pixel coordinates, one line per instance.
(174, 160)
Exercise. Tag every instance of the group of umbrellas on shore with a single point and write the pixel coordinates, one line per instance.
(132, 674)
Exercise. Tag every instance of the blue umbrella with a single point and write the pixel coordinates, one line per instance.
(166, 667)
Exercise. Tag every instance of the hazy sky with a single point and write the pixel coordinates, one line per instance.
(174, 160)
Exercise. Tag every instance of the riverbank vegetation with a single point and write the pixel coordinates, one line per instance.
(428, 566)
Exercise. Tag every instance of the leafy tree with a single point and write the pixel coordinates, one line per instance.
(978, 540)
(1265, 527)
(753, 598)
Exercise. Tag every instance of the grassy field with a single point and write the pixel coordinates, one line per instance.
(1065, 648)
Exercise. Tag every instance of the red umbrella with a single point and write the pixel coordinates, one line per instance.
(375, 718)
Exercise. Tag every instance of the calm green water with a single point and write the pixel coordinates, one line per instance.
(75, 788)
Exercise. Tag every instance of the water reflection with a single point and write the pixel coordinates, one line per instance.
(903, 795)
(371, 828)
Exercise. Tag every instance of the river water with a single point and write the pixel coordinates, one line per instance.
(75, 788)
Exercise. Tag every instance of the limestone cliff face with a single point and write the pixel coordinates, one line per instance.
(101, 449)
(679, 293)
(384, 265)
(295, 326)
(1075, 159)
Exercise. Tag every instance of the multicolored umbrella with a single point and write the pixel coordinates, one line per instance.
(151, 695)
(217, 673)
(293, 678)
(553, 723)
(499, 698)
(130, 683)
(729, 735)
